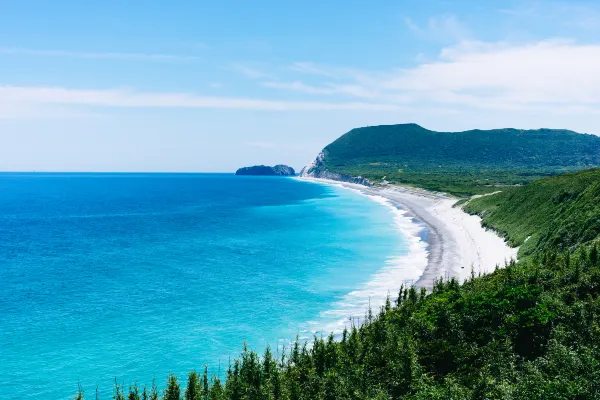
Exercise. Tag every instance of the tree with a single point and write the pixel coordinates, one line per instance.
(153, 391)
(119, 394)
(173, 391)
(79, 393)
(205, 385)
(134, 393)
(193, 384)
(216, 390)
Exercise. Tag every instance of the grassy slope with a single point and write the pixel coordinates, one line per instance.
(560, 212)
(462, 163)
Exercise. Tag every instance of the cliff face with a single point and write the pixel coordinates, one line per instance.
(264, 170)
(317, 169)
(284, 170)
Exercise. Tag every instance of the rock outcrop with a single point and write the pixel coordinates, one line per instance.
(317, 169)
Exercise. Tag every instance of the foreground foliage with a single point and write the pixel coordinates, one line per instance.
(527, 331)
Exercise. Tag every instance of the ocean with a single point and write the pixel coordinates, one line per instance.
(133, 276)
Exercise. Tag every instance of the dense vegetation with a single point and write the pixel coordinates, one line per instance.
(561, 212)
(530, 330)
(462, 163)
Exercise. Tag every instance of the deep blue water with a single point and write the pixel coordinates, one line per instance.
(136, 275)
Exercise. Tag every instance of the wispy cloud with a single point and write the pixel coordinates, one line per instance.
(95, 55)
(298, 86)
(354, 90)
(31, 98)
(444, 28)
(312, 69)
(551, 76)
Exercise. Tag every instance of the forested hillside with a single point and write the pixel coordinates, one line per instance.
(462, 163)
(528, 331)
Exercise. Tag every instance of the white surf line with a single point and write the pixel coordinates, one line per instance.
(400, 270)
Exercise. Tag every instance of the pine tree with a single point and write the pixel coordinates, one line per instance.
(79, 393)
(173, 391)
(153, 391)
(191, 392)
(216, 390)
(119, 394)
(133, 393)
(400, 294)
(205, 386)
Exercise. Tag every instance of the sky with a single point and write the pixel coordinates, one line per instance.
(201, 86)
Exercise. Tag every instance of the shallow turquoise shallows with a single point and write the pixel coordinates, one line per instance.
(133, 276)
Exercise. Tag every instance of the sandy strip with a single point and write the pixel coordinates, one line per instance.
(456, 240)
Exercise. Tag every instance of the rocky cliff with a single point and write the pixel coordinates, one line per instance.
(317, 169)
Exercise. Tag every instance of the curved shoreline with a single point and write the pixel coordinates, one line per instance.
(400, 269)
(456, 241)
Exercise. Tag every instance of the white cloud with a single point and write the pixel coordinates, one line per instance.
(95, 56)
(542, 76)
(502, 75)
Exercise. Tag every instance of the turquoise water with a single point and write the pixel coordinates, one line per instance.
(133, 276)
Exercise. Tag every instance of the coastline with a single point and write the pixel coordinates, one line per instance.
(455, 241)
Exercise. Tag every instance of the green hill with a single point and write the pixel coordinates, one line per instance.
(462, 163)
(560, 212)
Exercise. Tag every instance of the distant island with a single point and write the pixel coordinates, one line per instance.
(264, 170)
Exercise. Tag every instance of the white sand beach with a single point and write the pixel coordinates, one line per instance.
(456, 241)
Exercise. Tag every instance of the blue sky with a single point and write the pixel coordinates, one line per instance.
(200, 86)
